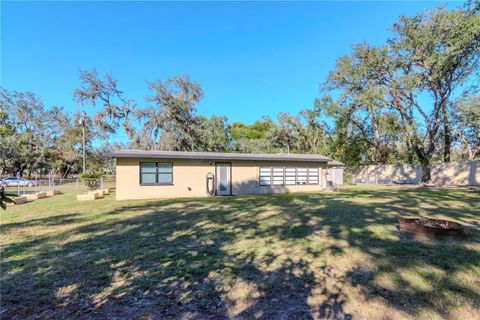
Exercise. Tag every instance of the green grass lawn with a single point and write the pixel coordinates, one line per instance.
(332, 255)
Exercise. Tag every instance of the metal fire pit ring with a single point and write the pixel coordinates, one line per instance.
(430, 227)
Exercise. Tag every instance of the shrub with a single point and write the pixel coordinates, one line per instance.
(5, 198)
(91, 180)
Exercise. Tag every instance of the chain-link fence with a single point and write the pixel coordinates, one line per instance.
(76, 185)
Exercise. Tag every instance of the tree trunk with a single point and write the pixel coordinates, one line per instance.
(472, 153)
(447, 136)
(425, 159)
(409, 152)
(426, 173)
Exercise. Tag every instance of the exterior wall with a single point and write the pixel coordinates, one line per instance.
(191, 174)
(465, 173)
(245, 177)
(387, 174)
(461, 173)
(335, 175)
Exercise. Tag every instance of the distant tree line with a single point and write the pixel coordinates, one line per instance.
(413, 100)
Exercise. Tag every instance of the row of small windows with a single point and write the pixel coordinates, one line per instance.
(284, 176)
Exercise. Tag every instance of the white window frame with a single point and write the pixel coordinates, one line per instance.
(290, 176)
(309, 176)
(302, 181)
(278, 175)
(265, 176)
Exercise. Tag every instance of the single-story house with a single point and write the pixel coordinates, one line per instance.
(168, 174)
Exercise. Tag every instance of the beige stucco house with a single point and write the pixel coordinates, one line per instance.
(169, 174)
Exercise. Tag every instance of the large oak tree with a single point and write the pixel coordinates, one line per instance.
(429, 60)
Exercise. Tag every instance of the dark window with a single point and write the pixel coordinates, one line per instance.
(156, 173)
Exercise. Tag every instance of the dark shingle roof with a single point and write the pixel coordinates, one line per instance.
(216, 155)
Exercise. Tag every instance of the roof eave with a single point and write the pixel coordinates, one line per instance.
(336, 164)
(212, 157)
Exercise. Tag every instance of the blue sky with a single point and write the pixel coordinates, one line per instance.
(251, 59)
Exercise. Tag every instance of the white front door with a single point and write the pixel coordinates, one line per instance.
(223, 173)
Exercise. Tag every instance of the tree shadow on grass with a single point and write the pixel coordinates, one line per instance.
(46, 221)
(202, 259)
(426, 275)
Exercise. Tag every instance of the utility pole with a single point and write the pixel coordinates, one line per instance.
(82, 123)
